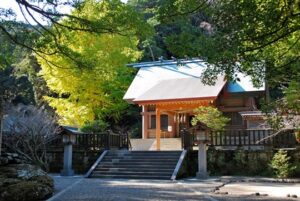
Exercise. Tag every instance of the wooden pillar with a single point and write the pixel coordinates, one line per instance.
(172, 124)
(145, 122)
(157, 132)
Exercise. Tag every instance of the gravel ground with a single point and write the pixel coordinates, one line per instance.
(79, 189)
(267, 188)
(249, 198)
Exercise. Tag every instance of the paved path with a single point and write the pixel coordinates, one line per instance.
(79, 189)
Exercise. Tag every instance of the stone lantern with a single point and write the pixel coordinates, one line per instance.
(202, 139)
(68, 139)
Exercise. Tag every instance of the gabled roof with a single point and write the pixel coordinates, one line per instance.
(166, 80)
(181, 88)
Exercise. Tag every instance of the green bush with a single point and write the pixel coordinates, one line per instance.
(240, 160)
(215, 161)
(258, 164)
(95, 126)
(296, 172)
(281, 166)
(211, 117)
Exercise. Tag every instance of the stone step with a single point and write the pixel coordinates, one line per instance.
(130, 176)
(135, 166)
(151, 160)
(145, 154)
(173, 157)
(140, 163)
(140, 169)
(134, 173)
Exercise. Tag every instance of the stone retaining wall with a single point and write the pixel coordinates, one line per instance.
(82, 160)
(237, 162)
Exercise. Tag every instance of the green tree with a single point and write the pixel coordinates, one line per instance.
(281, 164)
(43, 18)
(211, 117)
(177, 37)
(255, 37)
(93, 89)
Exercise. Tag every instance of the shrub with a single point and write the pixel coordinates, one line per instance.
(240, 159)
(296, 173)
(211, 117)
(96, 126)
(281, 164)
(216, 162)
(29, 132)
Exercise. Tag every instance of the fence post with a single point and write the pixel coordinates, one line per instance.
(187, 139)
(127, 140)
(182, 138)
(107, 140)
(120, 141)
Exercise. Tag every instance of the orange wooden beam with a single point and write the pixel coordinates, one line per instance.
(157, 129)
(186, 105)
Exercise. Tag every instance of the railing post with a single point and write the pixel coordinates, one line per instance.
(186, 139)
(127, 140)
(120, 141)
(182, 139)
(108, 140)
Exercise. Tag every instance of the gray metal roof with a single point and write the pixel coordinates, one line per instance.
(182, 88)
(251, 113)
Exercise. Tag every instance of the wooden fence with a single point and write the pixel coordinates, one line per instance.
(241, 138)
(97, 141)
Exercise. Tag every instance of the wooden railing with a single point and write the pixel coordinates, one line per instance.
(97, 141)
(241, 138)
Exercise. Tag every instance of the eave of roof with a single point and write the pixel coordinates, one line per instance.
(174, 101)
(181, 89)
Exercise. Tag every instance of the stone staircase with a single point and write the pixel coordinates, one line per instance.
(137, 165)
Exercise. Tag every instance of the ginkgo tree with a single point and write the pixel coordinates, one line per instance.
(90, 79)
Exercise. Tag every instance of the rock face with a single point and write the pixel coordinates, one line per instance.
(11, 158)
(23, 182)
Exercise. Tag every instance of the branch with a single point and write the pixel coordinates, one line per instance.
(189, 11)
(291, 47)
(271, 136)
(272, 41)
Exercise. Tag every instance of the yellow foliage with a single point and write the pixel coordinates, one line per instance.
(86, 88)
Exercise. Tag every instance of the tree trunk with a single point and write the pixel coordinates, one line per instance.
(1, 131)
(151, 52)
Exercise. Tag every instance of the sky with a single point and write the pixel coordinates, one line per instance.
(14, 6)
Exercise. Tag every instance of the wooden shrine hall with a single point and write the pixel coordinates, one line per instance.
(168, 92)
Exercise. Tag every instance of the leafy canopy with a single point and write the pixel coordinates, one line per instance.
(246, 36)
(260, 38)
(94, 89)
(43, 18)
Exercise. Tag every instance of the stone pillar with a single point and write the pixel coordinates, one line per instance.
(202, 162)
(67, 171)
